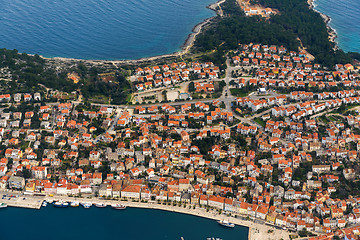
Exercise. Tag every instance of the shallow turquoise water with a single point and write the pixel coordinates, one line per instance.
(106, 223)
(99, 29)
(345, 19)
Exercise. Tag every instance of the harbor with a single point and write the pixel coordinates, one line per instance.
(256, 230)
(109, 223)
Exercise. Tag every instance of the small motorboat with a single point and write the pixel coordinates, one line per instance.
(226, 223)
(61, 204)
(86, 205)
(3, 205)
(74, 204)
(118, 206)
(100, 205)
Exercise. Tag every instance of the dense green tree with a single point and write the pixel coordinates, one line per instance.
(295, 21)
(28, 72)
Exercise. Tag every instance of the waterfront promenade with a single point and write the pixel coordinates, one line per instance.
(256, 230)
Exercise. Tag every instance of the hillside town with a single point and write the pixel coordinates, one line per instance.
(273, 138)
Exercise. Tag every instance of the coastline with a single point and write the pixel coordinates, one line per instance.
(256, 230)
(327, 19)
(185, 47)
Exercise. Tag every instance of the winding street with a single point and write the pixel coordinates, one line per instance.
(226, 97)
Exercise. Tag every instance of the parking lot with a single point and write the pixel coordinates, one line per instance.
(21, 200)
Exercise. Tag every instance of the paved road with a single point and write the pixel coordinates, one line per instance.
(322, 113)
(207, 100)
(225, 97)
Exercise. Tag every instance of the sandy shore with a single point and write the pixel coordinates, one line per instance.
(327, 19)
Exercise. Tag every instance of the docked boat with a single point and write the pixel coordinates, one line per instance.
(61, 204)
(100, 205)
(3, 205)
(118, 206)
(44, 204)
(86, 205)
(226, 223)
(74, 204)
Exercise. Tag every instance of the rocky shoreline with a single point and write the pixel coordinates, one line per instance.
(327, 19)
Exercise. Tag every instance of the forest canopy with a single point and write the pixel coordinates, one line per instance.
(28, 71)
(294, 21)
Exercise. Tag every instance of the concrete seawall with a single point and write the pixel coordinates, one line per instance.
(256, 230)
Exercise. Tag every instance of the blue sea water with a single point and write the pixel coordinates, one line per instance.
(345, 19)
(99, 29)
(106, 223)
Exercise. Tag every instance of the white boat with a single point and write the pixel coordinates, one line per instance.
(49, 201)
(3, 205)
(74, 204)
(61, 204)
(100, 205)
(118, 206)
(226, 223)
(86, 205)
(44, 204)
